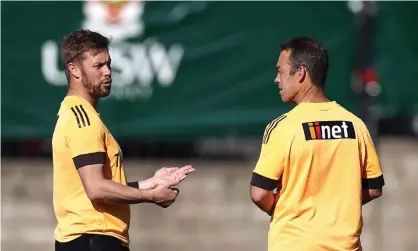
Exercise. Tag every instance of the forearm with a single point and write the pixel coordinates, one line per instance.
(143, 184)
(112, 192)
(147, 184)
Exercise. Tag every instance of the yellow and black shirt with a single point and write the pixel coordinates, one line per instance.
(319, 156)
(81, 138)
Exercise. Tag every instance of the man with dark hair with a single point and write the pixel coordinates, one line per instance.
(318, 156)
(90, 191)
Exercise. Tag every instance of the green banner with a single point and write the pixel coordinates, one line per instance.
(181, 70)
(396, 59)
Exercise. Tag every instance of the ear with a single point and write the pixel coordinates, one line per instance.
(301, 74)
(74, 70)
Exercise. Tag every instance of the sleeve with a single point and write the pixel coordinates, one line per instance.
(86, 141)
(270, 164)
(372, 175)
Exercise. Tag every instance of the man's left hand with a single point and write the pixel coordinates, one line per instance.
(171, 174)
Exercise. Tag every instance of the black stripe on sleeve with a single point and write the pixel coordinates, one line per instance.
(89, 159)
(133, 184)
(76, 116)
(85, 114)
(263, 182)
(373, 183)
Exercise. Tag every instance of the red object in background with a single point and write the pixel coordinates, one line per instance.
(370, 76)
(370, 82)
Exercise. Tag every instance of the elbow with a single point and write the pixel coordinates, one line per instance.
(94, 195)
(256, 198)
(257, 195)
(376, 193)
(94, 192)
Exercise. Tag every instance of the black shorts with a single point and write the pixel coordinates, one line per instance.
(91, 242)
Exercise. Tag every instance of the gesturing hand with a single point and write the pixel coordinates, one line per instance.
(165, 179)
(171, 176)
(167, 171)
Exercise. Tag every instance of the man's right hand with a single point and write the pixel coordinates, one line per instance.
(164, 196)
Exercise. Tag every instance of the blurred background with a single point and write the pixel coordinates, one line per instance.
(193, 83)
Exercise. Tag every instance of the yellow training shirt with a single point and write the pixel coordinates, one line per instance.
(80, 138)
(319, 156)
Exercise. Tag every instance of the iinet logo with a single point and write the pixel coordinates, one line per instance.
(328, 130)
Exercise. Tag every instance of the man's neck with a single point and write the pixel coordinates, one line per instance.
(84, 95)
(311, 94)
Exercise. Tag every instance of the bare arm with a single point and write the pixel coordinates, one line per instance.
(372, 176)
(370, 194)
(152, 190)
(264, 199)
(99, 188)
(143, 184)
(269, 168)
(261, 192)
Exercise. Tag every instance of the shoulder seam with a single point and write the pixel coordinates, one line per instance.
(80, 115)
(271, 126)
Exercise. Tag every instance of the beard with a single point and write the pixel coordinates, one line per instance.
(93, 90)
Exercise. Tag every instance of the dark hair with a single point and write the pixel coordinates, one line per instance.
(78, 42)
(311, 54)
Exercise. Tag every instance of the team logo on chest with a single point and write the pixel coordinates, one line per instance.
(318, 130)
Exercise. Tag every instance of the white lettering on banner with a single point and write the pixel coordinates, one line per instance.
(135, 67)
(50, 62)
